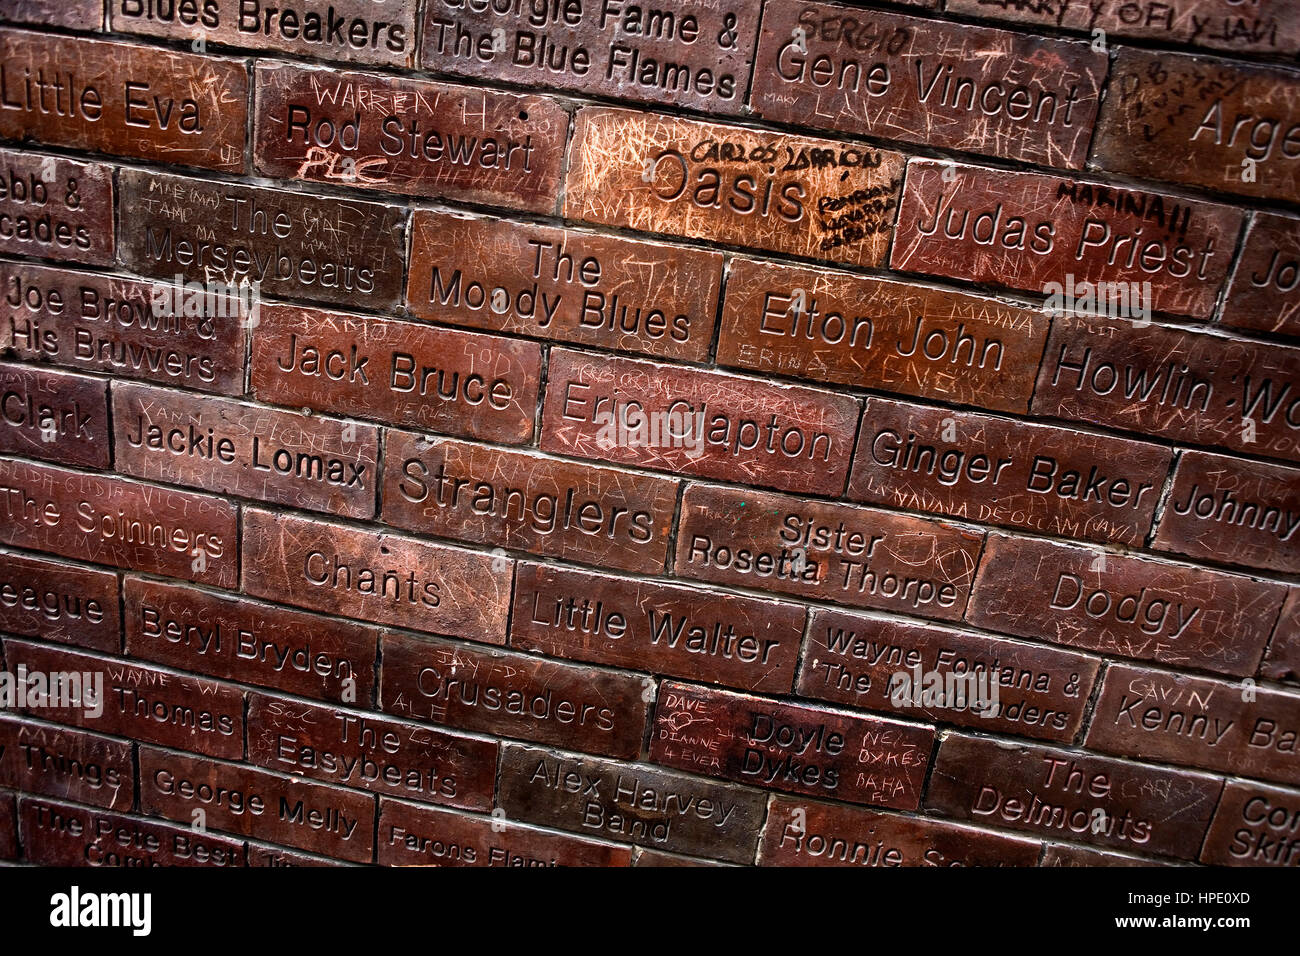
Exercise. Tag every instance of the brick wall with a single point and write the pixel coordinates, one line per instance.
(471, 432)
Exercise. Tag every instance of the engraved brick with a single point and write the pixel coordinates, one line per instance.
(827, 552)
(123, 523)
(708, 636)
(776, 191)
(1226, 509)
(563, 285)
(58, 416)
(441, 380)
(696, 422)
(802, 833)
(371, 31)
(1063, 854)
(1206, 122)
(55, 208)
(316, 247)
(66, 764)
(275, 856)
(1282, 659)
(661, 859)
(59, 602)
(106, 324)
(1265, 291)
(226, 446)
(1182, 385)
(1124, 604)
(696, 55)
(1053, 234)
(59, 834)
(247, 641)
(411, 835)
(124, 99)
(630, 803)
(1073, 795)
(140, 702)
(854, 659)
(72, 14)
(875, 333)
(412, 137)
(255, 803)
(1199, 722)
(527, 501)
(1005, 472)
(949, 85)
(371, 753)
(798, 748)
(383, 578)
(1255, 825)
(8, 827)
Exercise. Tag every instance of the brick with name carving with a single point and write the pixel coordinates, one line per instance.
(1255, 825)
(59, 602)
(72, 14)
(1230, 127)
(1064, 238)
(57, 416)
(798, 748)
(803, 833)
(983, 682)
(66, 764)
(284, 242)
(1124, 604)
(950, 85)
(378, 577)
(256, 803)
(234, 638)
(1069, 794)
(123, 99)
(271, 857)
(1227, 509)
(563, 285)
(744, 642)
(53, 207)
(697, 422)
(1264, 295)
(729, 184)
(110, 520)
(1282, 659)
(527, 501)
(630, 803)
(1005, 472)
(862, 557)
(221, 445)
(875, 333)
(401, 373)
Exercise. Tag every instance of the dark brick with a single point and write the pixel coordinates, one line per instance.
(59, 602)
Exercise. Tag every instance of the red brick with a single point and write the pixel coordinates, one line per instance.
(371, 753)
(58, 834)
(827, 552)
(106, 324)
(801, 833)
(411, 835)
(58, 416)
(142, 703)
(1282, 659)
(1063, 854)
(876, 333)
(125, 99)
(8, 827)
(442, 380)
(254, 803)
(563, 285)
(709, 636)
(389, 579)
(405, 136)
(661, 859)
(1226, 509)
(1255, 825)
(1265, 291)
(1198, 722)
(515, 695)
(59, 602)
(123, 523)
(237, 639)
(1125, 605)
(1066, 793)
(72, 14)
(55, 208)
(696, 422)
(523, 500)
(798, 748)
(275, 856)
(904, 78)
(236, 449)
(640, 170)
(66, 764)
(1049, 228)
(1006, 472)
